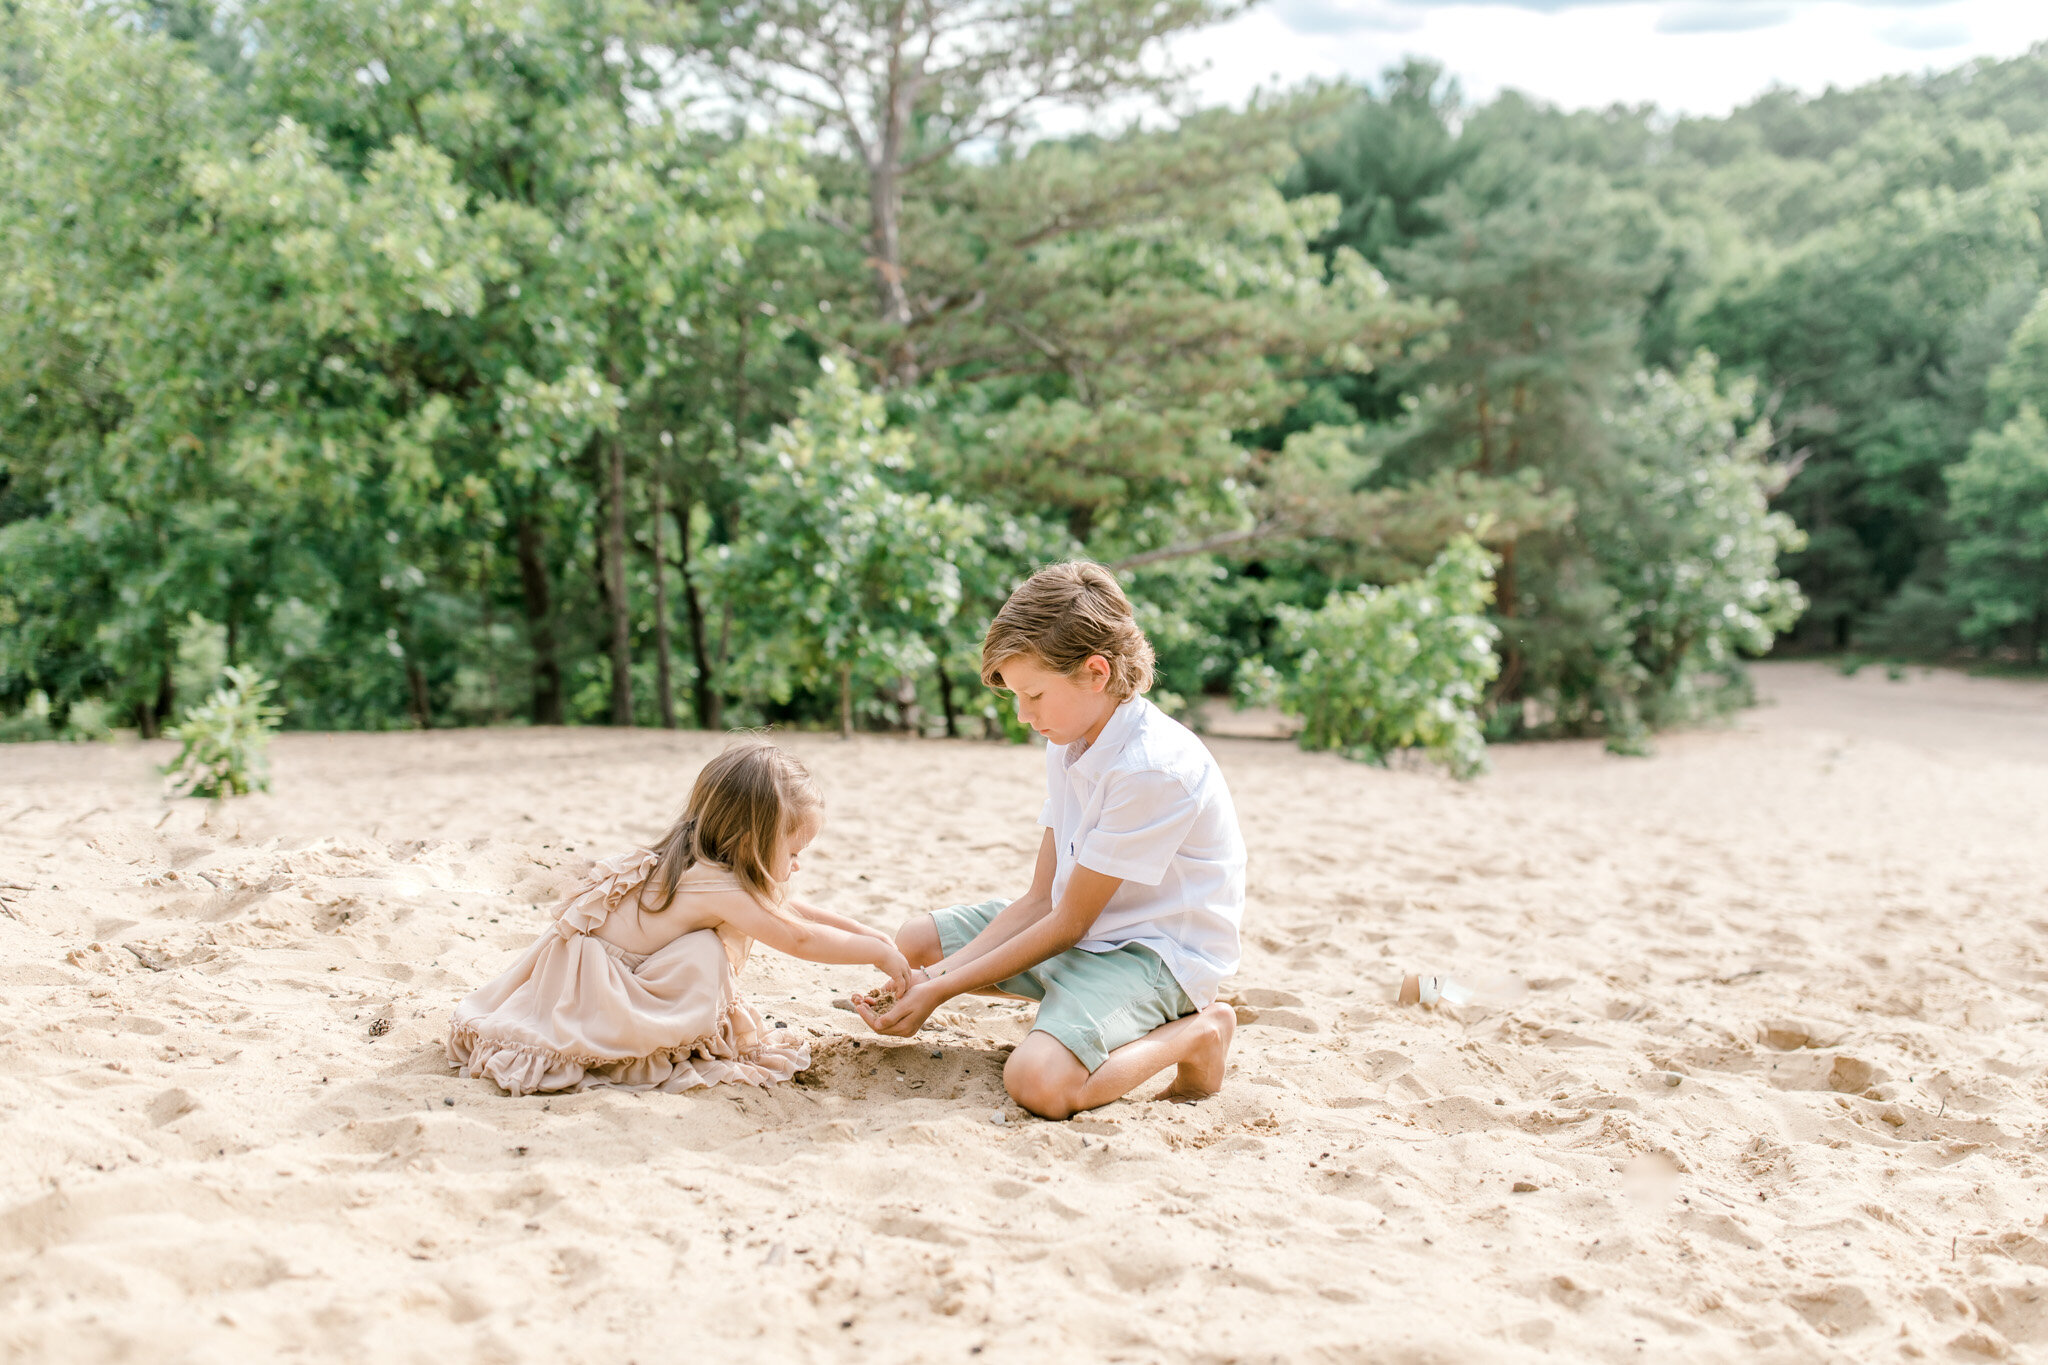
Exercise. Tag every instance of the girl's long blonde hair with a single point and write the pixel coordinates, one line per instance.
(744, 804)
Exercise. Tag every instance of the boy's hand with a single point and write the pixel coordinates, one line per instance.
(908, 1014)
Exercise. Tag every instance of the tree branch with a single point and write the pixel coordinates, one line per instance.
(1198, 547)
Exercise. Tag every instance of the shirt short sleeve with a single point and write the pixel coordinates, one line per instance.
(1146, 816)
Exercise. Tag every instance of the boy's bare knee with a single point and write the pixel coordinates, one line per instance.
(918, 941)
(1035, 1093)
(1043, 1083)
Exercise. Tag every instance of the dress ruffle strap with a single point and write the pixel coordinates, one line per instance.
(606, 888)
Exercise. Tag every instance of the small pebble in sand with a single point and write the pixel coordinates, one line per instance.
(1525, 1187)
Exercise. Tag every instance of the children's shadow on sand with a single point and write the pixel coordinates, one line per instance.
(873, 1068)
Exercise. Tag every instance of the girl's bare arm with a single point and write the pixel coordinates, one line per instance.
(819, 915)
(814, 942)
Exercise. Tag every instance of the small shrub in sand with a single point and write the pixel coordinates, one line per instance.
(1381, 669)
(32, 722)
(226, 739)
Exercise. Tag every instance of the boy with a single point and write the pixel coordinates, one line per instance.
(1131, 922)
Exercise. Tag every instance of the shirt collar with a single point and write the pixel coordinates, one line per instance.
(1116, 732)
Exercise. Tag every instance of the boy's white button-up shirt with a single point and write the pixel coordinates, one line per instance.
(1147, 803)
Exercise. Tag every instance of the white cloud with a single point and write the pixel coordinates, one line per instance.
(1926, 37)
(1699, 18)
(1317, 17)
(1692, 56)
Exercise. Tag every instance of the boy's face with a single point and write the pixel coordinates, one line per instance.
(1062, 708)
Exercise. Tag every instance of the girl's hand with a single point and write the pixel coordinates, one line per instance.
(893, 965)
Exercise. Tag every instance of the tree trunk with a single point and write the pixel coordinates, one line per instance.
(1517, 409)
(892, 300)
(710, 704)
(846, 701)
(483, 585)
(885, 213)
(416, 692)
(540, 621)
(741, 350)
(151, 716)
(615, 579)
(1507, 686)
(1485, 410)
(1504, 581)
(665, 679)
(946, 702)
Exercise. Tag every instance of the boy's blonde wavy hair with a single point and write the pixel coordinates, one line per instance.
(1063, 614)
(744, 804)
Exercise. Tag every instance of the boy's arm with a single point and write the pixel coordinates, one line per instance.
(1014, 918)
(1068, 922)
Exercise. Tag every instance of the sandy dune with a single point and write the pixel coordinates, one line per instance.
(1776, 1091)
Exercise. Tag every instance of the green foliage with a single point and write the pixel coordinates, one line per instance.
(1880, 330)
(474, 380)
(339, 357)
(225, 740)
(842, 578)
(30, 723)
(89, 718)
(1381, 669)
(1999, 507)
(1683, 533)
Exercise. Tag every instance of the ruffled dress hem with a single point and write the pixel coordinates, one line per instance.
(526, 1069)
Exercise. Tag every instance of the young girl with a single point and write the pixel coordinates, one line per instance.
(635, 985)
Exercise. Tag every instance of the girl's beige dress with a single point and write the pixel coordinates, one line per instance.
(576, 1011)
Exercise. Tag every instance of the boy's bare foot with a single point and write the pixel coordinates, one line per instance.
(1201, 1072)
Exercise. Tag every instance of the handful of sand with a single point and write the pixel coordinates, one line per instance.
(880, 1002)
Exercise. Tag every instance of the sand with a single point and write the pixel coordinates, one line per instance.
(1774, 1090)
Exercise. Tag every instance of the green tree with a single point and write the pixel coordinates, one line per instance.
(1549, 282)
(843, 579)
(98, 561)
(1871, 335)
(1683, 533)
(1998, 505)
(350, 384)
(903, 88)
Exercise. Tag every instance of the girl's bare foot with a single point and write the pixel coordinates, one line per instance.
(1201, 1071)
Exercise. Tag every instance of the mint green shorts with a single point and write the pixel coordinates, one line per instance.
(1093, 1003)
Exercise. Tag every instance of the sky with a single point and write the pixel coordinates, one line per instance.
(1686, 56)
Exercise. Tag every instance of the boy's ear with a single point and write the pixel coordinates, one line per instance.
(1098, 670)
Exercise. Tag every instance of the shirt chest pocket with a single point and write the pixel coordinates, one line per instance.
(1088, 808)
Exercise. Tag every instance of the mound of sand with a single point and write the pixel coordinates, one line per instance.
(1775, 1088)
